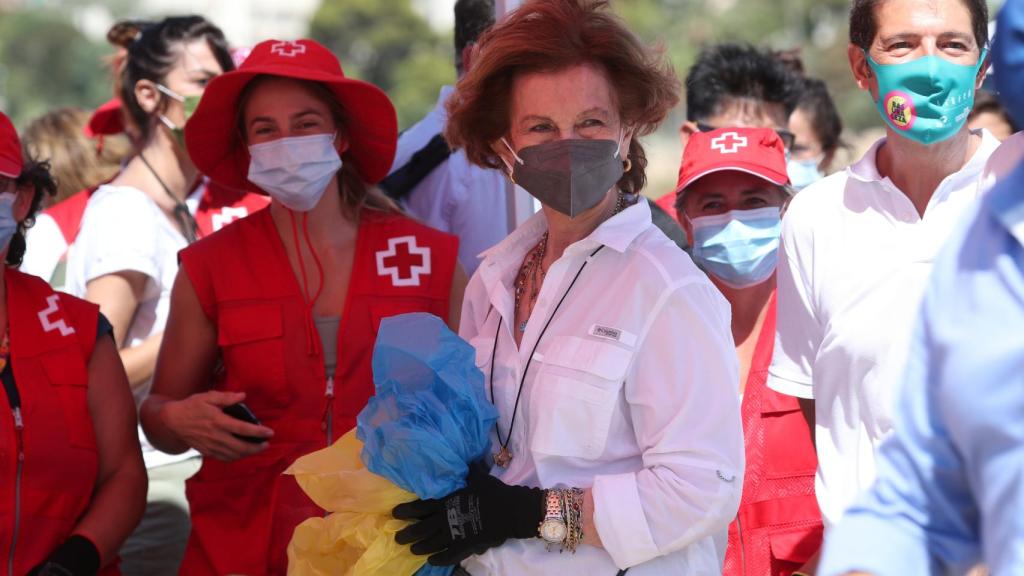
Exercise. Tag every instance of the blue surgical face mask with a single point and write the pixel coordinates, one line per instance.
(927, 99)
(803, 173)
(8, 225)
(739, 248)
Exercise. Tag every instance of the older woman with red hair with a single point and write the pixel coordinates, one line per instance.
(606, 351)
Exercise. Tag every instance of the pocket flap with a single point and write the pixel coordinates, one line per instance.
(772, 401)
(249, 323)
(796, 545)
(605, 360)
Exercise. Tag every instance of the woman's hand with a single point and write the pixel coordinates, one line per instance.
(470, 521)
(200, 422)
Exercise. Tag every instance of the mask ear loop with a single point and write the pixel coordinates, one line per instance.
(627, 164)
(505, 162)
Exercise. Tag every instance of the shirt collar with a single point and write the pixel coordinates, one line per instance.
(866, 169)
(617, 233)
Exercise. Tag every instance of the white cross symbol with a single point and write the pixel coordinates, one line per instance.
(227, 216)
(50, 326)
(729, 143)
(288, 48)
(402, 271)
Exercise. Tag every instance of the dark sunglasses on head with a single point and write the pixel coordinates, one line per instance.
(786, 136)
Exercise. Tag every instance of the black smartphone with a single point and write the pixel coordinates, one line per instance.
(242, 412)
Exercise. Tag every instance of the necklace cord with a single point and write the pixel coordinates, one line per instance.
(529, 360)
(181, 212)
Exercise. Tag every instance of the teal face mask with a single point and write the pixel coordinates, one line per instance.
(928, 99)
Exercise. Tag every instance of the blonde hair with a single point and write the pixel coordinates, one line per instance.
(77, 162)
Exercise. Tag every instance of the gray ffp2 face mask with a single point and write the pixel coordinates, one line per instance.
(570, 176)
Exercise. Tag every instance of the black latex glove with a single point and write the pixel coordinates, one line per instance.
(480, 516)
(77, 556)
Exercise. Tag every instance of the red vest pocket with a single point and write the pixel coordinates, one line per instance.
(66, 371)
(788, 450)
(796, 545)
(251, 339)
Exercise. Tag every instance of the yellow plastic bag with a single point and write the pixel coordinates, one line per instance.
(358, 537)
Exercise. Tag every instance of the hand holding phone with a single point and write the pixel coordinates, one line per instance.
(240, 411)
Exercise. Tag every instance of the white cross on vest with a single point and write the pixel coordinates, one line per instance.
(400, 259)
(729, 143)
(288, 48)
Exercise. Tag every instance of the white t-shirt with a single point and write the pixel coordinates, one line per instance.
(46, 247)
(631, 392)
(456, 197)
(123, 229)
(853, 264)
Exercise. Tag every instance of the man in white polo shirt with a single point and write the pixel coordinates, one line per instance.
(858, 246)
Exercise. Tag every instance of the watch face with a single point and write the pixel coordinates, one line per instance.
(553, 531)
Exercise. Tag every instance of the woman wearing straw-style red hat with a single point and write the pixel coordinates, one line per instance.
(289, 299)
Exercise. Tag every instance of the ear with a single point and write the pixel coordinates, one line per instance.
(982, 72)
(342, 143)
(686, 130)
(147, 95)
(501, 151)
(22, 202)
(862, 73)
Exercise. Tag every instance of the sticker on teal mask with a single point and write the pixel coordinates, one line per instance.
(927, 99)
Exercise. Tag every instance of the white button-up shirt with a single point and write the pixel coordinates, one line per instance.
(631, 392)
(853, 265)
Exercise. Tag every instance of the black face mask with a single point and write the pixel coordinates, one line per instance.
(570, 176)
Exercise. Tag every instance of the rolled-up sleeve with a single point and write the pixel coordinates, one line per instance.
(798, 332)
(683, 399)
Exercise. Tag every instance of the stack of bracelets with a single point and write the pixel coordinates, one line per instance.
(571, 504)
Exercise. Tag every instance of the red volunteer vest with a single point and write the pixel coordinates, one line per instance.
(244, 512)
(220, 206)
(52, 338)
(778, 525)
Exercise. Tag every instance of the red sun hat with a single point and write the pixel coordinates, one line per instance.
(11, 161)
(217, 149)
(757, 151)
(106, 120)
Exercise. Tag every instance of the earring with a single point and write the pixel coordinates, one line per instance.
(628, 165)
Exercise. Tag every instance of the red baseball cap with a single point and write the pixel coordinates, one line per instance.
(211, 134)
(106, 120)
(757, 151)
(11, 161)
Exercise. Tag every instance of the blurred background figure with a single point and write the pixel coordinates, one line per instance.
(817, 130)
(989, 113)
(125, 257)
(439, 185)
(735, 85)
(80, 160)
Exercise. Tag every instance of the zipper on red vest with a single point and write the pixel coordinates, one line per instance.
(19, 426)
(327, 420)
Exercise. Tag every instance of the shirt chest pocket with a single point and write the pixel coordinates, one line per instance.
(575, 395)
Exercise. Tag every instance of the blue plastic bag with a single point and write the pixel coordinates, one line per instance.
(429, 418)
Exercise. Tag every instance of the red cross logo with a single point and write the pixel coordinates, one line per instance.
(288, 49)
(729, 143)
(46, 318)
(404, 261)
(228, 215)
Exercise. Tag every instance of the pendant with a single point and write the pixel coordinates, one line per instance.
(522, 326)
(503, 457)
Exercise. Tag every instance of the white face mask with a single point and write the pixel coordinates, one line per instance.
(295, 171)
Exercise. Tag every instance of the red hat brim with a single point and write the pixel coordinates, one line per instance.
(758, 170)
(11, 160)
(217, 148)
(106, 120)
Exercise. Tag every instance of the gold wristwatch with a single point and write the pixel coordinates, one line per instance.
(553, 529)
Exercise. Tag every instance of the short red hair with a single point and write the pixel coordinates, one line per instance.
(552, 35)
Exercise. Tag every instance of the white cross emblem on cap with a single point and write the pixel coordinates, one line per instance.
(288, 49)
(729, 143)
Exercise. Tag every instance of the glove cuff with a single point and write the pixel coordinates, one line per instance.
(529, 507)
(77, 555)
